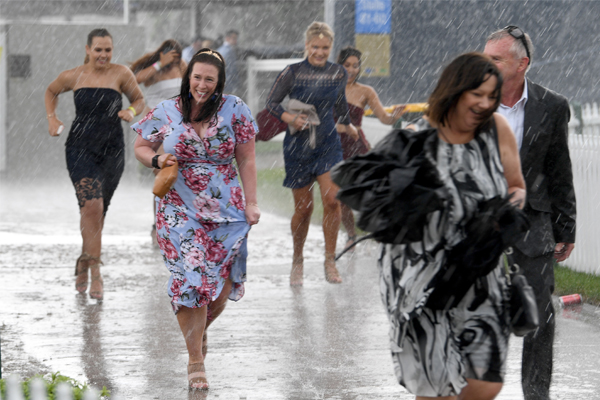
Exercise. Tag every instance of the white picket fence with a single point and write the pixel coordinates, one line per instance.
(37, 391)
(584, 147)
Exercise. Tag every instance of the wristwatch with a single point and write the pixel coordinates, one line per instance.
(155, 161)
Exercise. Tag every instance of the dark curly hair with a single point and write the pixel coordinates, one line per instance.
(210, 108)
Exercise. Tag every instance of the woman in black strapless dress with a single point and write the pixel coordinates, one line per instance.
(95, 146)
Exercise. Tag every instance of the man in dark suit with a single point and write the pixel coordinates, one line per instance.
(539, 118)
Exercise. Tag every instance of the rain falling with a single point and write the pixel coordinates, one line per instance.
(76, 184)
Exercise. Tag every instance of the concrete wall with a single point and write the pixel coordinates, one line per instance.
(32, 153)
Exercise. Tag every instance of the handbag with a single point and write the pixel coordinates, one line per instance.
(269, 126)
(298, 107)
(166, 177)
(522, 305)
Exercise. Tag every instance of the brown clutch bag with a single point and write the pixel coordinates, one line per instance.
(166, 177)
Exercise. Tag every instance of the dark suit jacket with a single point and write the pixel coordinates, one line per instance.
(546, 166)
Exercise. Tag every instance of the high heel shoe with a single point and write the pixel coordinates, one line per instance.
(331, 273)
(97, 286)
(297, 274)
(81, 272)
(197, 376)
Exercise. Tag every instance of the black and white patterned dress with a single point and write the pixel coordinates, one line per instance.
(435, 351)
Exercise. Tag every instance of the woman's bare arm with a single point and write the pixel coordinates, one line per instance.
(246, 160)
(63, 83)
(375, 105)
(130, 88)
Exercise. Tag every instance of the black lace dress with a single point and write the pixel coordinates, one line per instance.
(95, 146)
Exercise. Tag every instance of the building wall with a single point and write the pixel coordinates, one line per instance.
(427, 34)
(32, 152)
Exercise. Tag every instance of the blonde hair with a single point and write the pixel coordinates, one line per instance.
(320, 30)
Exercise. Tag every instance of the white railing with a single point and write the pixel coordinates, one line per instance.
(37, 391)
(584, 147)
(255, 66)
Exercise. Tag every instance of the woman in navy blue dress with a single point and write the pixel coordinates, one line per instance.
(308, 158)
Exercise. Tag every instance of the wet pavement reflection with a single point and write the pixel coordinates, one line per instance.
(92, 354)
(320, 341)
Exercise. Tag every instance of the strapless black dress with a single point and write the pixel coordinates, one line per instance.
(95, 146)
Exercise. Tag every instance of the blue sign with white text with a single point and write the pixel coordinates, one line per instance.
(373, 17)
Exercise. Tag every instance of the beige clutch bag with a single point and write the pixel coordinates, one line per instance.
(166, 177)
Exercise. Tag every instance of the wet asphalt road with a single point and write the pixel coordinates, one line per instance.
(320, 341)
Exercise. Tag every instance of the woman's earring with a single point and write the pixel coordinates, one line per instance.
(189, 95)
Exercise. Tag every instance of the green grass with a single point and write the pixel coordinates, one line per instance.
(52, 381)
(571, 282)
(269, 147)
(278, 200)
(272, 196)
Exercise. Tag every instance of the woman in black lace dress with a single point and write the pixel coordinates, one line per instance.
(95, 146)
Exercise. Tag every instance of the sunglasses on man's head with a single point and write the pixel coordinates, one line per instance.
(518, 34)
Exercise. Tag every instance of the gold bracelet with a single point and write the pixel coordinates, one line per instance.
(50, 115)
(132, 110)
(252, 204)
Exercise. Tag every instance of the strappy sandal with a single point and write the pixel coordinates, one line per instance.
(297, 274)
(97, 286)
(81, 272)
(204, 344)
(197, 376)
(331, 273)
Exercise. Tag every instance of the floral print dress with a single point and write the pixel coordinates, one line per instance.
(201, 224)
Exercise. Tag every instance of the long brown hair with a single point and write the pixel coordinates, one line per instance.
(100, 32)
(210, 108)
(150, 58)
(466, 72)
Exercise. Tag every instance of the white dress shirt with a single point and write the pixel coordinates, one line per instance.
(516, 115)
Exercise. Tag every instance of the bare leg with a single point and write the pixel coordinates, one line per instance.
(91, 225)
(303, 206)
(348, 222)
(480, 390)
(331, 224)
(193, 323)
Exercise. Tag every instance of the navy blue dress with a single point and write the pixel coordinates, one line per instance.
(325, 88)
(95, 146)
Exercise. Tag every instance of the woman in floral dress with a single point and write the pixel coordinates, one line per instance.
(203, 222)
